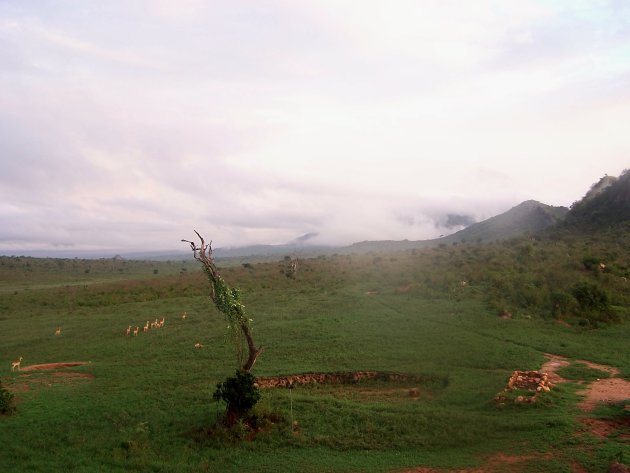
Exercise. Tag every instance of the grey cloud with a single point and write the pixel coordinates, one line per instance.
(128, 124)
(436, 218)
(455, 220)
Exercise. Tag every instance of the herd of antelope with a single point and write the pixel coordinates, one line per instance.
(149, 325)
(157, 323)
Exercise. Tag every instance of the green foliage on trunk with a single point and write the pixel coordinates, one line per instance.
(228, 301)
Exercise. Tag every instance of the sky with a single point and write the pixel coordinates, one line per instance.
(127, 124)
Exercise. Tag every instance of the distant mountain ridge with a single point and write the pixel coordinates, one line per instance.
(290, 249)
(605, 206)
(527, 217)
(297, 247)
(606, 203)
(530, 216)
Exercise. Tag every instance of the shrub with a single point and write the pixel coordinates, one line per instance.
(240, 393)
(590, 297)
(594, 302)
(562, 303)
(590, 263)
(6, 401)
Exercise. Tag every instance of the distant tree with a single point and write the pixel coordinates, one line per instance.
(228, 301)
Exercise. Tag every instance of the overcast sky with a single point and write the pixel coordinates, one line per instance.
(126, 124)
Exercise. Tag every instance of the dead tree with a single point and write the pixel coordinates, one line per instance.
(227, 300)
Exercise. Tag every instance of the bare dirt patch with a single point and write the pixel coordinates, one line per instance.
(608, 369)
(612, 389)
(54, 366)
(47, 375)
(606, 427)
(499, 462)
(609, 390)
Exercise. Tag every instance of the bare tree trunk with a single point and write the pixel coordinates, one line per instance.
(253, 351)
(234, 312)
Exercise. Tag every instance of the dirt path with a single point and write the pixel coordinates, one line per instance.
(611, 389)
(607, 390)
(551, 367)
(604, 390)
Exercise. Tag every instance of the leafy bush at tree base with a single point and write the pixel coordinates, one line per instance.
(240, 393)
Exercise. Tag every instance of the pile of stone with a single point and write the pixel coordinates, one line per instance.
(312, 378)
(331, 378)
(535, 382)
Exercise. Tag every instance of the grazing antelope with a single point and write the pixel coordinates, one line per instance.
(58, 331)
(161, 324)
(16, 364)
(155, 324)
(135, 331)
(128, 331)
(198, 345)
(184, 315)
(146, 327)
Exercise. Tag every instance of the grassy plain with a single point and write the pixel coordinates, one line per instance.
(147, 401)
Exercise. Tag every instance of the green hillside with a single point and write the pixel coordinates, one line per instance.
(606, 205)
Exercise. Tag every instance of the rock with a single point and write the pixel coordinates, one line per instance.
(618, 468)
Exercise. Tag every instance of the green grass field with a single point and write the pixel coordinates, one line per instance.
(147, 403)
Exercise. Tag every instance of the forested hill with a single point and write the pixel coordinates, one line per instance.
(606, 205)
